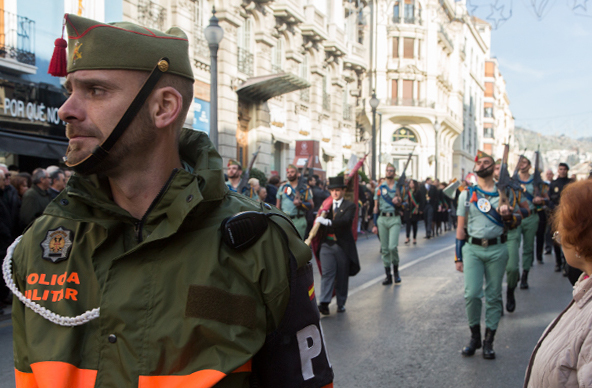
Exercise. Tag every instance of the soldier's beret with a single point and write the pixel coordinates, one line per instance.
(93, 45)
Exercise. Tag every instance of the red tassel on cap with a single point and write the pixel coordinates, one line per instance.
(58, 66)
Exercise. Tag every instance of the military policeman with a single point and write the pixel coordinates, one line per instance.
(295, 201)
(387, 223)
(529, 225)
(146, 270)
(481, 252)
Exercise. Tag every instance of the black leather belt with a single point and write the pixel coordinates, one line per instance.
(385, 214)
(297, 216)
(485, 242)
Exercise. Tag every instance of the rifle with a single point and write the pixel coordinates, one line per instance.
(242, 186)
(504, 180)
(537, 182)
(302, 181)
(515, 175)
(401, 181)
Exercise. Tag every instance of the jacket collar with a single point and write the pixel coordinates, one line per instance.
(179, 196)
(582, 291)
(40, 191)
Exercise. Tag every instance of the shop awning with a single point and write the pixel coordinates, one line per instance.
(260, 89)
(32, 145)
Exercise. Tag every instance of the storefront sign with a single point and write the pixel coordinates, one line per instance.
(32, 111)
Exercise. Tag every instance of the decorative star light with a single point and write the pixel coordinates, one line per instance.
(581, 4)
(496, 17)
(471, 8)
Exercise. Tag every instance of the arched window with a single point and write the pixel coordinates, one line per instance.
(404, 133)
(277, 53)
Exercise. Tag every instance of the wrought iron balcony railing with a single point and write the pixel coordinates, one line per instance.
(17, 38)
(410, 102)
(245, 62)
(407, 20)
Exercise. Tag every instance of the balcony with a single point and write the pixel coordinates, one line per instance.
(314, 25)
(245, 62)
(407, 20)
(288, 11)
(410, 102)
(326, 102)
(445, 40)
(16, 43)
(276, 69)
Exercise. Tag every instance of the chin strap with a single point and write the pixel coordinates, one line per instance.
(100, 152)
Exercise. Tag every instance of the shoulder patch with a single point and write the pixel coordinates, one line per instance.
(57, 244)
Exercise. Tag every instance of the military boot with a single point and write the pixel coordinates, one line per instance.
(524, 280)
(396, 274)
(510, 300)
(389, 278)
(488, 352)
(475, 342)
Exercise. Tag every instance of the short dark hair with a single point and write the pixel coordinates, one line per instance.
(564, 165)
(56, 175)
(274, 180)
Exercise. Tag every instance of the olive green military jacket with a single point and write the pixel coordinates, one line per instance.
(178, 308)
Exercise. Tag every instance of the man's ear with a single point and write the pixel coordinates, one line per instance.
(167, 104)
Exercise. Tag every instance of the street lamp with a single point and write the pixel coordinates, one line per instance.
(374, 104)
(436, 128)
(214, 34)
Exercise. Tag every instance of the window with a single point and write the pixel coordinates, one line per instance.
(409, 11)
(276, 56)
(489, 69)
(408, 44)
(395, 47)
(418, 90)
(396, 12)
(244, 52)
(487, 131)
(407, 92)
(488, 89)
(488, 109)
(404, 133)
(395, 89)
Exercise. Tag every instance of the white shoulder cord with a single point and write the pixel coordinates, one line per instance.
(81, 319)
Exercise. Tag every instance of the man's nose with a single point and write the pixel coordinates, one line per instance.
(71, 110)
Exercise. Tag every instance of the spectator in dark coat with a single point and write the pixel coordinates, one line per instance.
(272, 187)
(10, 197)
(58, 183)
(36, 198)
(6, 239)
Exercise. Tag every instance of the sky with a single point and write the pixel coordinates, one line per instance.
(544, 49)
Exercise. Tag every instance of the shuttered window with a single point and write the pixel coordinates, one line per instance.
(408, 47)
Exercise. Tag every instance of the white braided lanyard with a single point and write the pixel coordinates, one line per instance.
(81, 319)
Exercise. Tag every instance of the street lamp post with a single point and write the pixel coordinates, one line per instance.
(436, 128)
(214, 34)
(374, 104)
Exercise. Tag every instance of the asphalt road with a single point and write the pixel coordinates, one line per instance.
(410, 335)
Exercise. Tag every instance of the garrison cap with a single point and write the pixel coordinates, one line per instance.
(233, 162)
(390, 165)
(93, 45)
(498, 162)
(481, 155)
(292, 166)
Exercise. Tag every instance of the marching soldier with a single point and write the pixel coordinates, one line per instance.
(481, 252)
(387, 222)
(235, 171)
(295, 201)
(530, 223)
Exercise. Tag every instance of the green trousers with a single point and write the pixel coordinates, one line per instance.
(480, 263)
(388, 231)
(525, 233)
(300, 224)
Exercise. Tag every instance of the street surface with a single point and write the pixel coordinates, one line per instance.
(410, 335)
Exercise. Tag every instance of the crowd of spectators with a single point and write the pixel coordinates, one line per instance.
(23, 198)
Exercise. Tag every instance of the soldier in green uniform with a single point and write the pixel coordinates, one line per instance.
(234, 172)
(295, 201)
(146, 271)
(481, 252)
(387, 222)
(529, 226)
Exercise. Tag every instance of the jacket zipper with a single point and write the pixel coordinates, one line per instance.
(139, 225)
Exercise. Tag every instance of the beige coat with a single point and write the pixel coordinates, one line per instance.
(563, 355)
